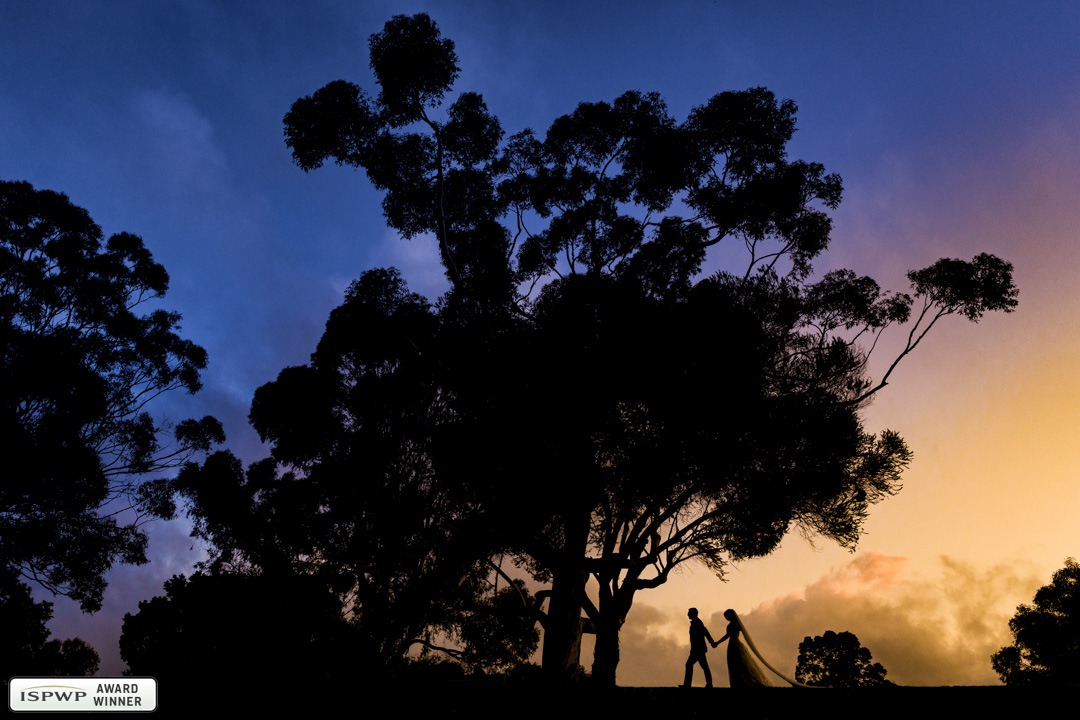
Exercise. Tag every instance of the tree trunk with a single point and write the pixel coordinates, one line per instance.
(614, 606)
(606, 652)
(561, 656)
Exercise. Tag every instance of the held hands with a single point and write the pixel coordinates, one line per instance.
(715, 643)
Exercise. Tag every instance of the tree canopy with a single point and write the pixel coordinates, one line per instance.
(838, 660)
(80, 366)
(1046, 635)
(653, 412)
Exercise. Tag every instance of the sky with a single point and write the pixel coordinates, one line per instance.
(954, 125)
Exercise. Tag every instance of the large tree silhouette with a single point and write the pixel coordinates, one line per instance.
(80, 366)
(1046, 635)
(620, 411)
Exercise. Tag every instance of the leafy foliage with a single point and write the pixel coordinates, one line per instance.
(500, 635)
(968, 288)
(80, 368)
(415, 66)
(1046, 635)
(838, 660)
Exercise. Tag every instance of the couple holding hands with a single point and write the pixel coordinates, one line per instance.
(742, 670)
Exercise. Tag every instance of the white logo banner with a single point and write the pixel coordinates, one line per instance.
(82, 694)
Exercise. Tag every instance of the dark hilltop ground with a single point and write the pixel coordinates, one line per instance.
(780, 703)
(293, 697)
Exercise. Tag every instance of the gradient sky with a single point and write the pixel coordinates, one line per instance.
(956, 129)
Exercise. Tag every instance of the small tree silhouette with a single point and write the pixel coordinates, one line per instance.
(1046, 635)
(25, 646)
(838, 660)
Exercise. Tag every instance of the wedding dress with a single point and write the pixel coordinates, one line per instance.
(742, 670)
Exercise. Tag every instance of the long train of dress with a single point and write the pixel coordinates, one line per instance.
(742, 670)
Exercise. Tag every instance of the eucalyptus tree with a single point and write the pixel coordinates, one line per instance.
(622, 409)
(84, 352)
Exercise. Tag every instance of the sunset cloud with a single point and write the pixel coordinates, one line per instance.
(937, 630)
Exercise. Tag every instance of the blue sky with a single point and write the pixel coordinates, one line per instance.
(953, 124)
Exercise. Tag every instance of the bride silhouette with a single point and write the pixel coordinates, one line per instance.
(743, 671)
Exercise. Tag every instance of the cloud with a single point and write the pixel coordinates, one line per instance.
(651, 654)
(936, 631)
(416, 258)
(930, 631)
(178, 147)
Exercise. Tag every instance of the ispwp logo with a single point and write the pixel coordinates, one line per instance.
(81, 694)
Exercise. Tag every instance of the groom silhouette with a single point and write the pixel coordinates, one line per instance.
(699, 635)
